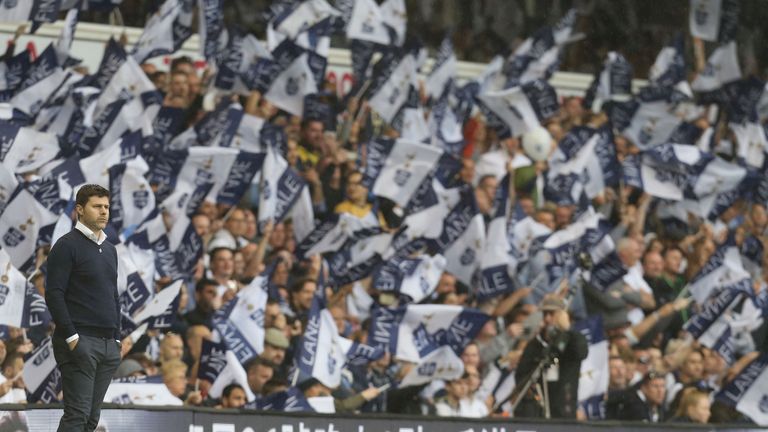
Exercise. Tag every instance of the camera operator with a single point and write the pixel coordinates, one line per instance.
(563, 349)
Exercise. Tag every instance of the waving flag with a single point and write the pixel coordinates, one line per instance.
(302, 16)
(391, 87)
(517, 110)
(160, 311)
(711, 326)
(662, 171)
(41, 375)
(220, 367)
(414, 278)
(366, 23)
(723, 269)
(131, 196)
(669, 68)
(140, 391)
(395, 17)
(714, 20)
(593, 382)
(213, 35)
(445, 127)
(443, 71)
(281, 188)
(241, 321)
(20, 226)
(320, 354)
(165, 31)
(746, 392)
(20, 304)
(289, 88)
(37, 11)
(133, 292)
(67, 35)
(397, 167)
(751, 142)
(613, 82)
(722, 68)
(585, 162)
(23, 149)
(462, 240)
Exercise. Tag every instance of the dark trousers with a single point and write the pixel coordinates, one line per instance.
(86, 373)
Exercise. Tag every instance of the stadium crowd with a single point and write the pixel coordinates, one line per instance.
(656, 371)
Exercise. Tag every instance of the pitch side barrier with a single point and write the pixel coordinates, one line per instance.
(121, 418)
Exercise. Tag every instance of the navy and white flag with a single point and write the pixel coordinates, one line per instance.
(220, 367)
(240, 322)
(412, 278)
(574, 169)
(242, 52)
(662, 171)
(128, 81)
(67, 35)
(14, 71)
(160, 311)
(751, 143)
(133, 292)
(37, 11)
(613, 82)
(131, 196)
(722, 270)
(140, 391)
(333, 233)
(289, 88)
(395, 16)
(747, 391)
(647, 123)
(589, 233)
(24, 217)
(443, 71)
(399, 167)
(445, 127)
(463, 240)
(8, 184)
(291, 400)
(366, 23)
(359, 257)
(20, 304)
(713, 176)
(669, 68)
(23, 149)
(320, 353)
(301, 16)
(519, 109)
(722, 68)
(41, 375)
(442, 363)
(712, 323)
(114, 57)
(391, 90)
(42, 80)
(593, 381)
(94, 168)
(281, 188)
(231, 171)
(714, 20)
(165, 31)
(213, 35)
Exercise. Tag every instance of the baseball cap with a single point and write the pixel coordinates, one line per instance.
(276, 338)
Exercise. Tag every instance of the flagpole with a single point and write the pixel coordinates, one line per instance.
(295, 378)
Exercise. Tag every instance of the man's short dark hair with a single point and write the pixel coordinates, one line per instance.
(181, 60)
(296, 287)
(215, 251)
(258, 361)
(90, 190)
(230, 388)
(204, 282)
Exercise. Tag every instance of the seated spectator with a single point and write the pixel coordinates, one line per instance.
(259, 371)
(233, 396)
(206, 303)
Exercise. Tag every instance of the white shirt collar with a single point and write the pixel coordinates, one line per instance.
(88, 233)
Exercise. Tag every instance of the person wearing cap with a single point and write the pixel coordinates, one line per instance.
(129, 368)
(275, 345)
(565, 348)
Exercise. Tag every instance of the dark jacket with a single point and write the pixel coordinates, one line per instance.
(627, 405)
(569, 349)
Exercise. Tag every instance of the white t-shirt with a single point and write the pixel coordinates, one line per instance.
(634, 278)
(14, 395)
(473, 407)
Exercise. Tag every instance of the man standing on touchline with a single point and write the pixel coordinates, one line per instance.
(81, 292)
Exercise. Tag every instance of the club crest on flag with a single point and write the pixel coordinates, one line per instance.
(292, 84)
(467, 257)
(423, 284)
(14, 236)
(141, 197)
(394, 95)
(402, 176)
(42, 356)
(763, 405)
(331, 362)
(701, 15)
(4, 290)
(646, 132)
(10, 4)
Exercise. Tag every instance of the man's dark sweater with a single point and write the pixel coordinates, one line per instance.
(81, 287)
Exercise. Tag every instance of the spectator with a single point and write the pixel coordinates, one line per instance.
(233, 396)
(694, 407)
(639, 404)
(275, 344)
(259, 371)
(356, 202)
(206, 302)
